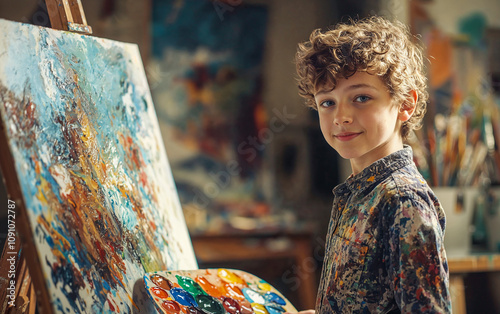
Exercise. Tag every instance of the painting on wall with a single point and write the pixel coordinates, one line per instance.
(206, 82)
(95, 196)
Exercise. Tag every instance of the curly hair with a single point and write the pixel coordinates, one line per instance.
(374, 45)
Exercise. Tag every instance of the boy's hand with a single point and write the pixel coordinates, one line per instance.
(303, 312)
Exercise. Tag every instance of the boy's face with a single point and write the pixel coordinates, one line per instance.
(359, 120)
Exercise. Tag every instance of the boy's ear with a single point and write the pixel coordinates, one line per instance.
(408, 107)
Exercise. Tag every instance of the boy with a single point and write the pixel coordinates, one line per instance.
(384, 250)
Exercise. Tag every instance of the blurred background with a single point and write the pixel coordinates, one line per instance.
(253, 172)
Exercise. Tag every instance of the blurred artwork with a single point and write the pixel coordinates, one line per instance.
(458, 145)
(205, 78)
(98, 200)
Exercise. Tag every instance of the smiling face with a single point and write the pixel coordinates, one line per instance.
(359, 119)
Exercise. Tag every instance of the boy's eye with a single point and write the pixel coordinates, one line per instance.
(327, 103)
(362, 98)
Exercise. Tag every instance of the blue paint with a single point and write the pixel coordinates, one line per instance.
(183, 297)
(272, 297)
(105, 285)
(274, 309)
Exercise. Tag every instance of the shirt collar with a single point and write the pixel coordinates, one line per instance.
(377, 171)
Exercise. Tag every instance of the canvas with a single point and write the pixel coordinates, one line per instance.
(96, 193)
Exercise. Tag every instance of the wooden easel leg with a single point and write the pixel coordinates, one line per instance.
(16, 287)
(77, 12)
(68, 15)
(58, 14)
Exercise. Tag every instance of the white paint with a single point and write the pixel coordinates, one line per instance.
(61, 175)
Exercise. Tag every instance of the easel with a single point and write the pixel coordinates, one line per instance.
(68, 15)
(65, 15)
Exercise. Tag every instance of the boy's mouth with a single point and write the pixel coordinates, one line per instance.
(346, 136)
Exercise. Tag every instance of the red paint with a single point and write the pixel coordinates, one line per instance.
(231, 306)
(419, 292)
(159, 292)
(171, 306)
(111, 307)
(161, 282)
(143, 177)
(112, 248)
(30, 114)
(246, 307)
(102, 253)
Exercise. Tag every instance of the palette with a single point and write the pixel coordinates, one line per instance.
(214, 291)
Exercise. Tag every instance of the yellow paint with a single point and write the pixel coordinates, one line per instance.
(40, 195)
(230, 277)
(264, 286)
(259, 308)
(419, 272)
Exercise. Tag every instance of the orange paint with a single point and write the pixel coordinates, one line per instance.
(159, 292)
(37, 165)
(208, 287)
(233, 291)
(132, 301)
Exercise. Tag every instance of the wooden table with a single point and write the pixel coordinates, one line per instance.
(460, 266)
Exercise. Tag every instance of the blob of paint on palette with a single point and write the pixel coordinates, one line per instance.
(214, 291)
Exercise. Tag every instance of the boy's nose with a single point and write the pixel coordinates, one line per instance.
(343, 121)
(343, 115)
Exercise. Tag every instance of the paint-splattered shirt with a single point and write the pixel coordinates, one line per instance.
(385, 246)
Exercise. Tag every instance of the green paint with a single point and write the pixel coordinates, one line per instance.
(210, 304)
(190, 285)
